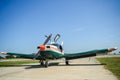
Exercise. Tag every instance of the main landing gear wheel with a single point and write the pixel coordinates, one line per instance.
(67, 62)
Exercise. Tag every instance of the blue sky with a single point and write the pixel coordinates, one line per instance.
(83, 24)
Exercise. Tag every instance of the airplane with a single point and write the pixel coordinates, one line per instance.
(53, 50)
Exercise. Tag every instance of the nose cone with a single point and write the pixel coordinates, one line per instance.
(42, 47)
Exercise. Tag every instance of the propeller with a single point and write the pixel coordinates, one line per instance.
(56, 37)
(37, 54)
(48, 38)
(42, 46)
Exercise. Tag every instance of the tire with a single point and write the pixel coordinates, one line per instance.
(46, 64)
(67, 62)
(42, 63)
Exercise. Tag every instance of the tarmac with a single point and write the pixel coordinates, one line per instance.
(79, 69)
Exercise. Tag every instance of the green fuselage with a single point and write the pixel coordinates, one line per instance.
(51, 54)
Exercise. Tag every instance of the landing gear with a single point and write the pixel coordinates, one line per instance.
(41, 63)
(67, 62)
(44, 63)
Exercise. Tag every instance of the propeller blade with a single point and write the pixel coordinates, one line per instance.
(48, 38)
(36, 55)
(56, 37)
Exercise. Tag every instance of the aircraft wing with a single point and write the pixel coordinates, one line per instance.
(87, 54)
(23, 55)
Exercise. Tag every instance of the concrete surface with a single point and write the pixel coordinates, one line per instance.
(80, 69)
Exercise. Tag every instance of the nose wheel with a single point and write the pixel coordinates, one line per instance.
(41, 63)
(44, 63)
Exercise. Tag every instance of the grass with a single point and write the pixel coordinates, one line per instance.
(112, 64)
(17, 63)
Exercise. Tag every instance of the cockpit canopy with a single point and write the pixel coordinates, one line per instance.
(58, 46)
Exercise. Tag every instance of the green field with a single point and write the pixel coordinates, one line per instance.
(112, 63)
(17, 63)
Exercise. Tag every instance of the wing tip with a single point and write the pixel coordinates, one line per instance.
(4, 53)
(112, 49)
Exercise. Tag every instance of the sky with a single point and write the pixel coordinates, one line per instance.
(83, 24)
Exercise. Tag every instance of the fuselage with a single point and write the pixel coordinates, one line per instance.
(52, 51)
